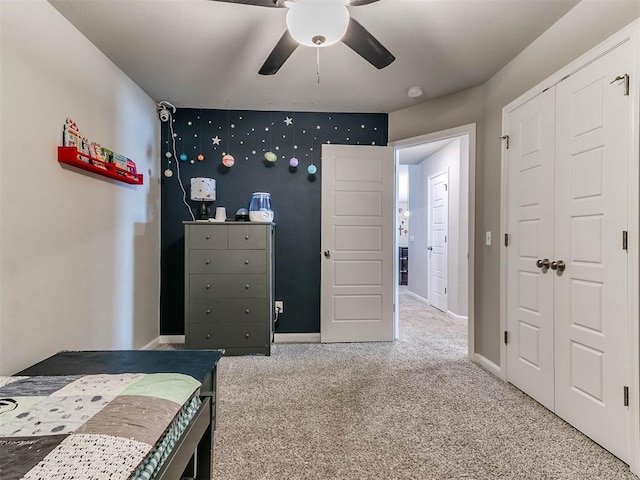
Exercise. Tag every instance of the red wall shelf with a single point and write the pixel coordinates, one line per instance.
(71, 156)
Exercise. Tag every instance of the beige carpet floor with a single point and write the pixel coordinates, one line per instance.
(412, 409)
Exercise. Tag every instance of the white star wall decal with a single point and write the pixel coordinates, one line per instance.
(288, 120)
(216, 140)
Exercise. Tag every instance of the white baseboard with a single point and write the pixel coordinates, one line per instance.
(456, 316)
(163, 339)
(418, 297)
(151, 344)
(171, 339)
(488, 365)
(296, 338)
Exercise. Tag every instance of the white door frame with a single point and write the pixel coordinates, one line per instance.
(470, 130)
(628, 34)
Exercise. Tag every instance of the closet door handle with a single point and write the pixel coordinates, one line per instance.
(559, 265)
(543, 263)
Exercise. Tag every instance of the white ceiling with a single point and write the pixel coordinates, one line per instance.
(206, 54)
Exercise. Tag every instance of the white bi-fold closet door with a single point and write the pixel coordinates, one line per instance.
(568, 166)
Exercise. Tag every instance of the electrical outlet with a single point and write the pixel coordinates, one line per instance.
(279, 306)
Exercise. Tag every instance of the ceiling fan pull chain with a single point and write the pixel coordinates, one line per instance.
(318, 62)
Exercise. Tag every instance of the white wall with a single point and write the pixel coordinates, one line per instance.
(583, 27)
(402, 221)
(79, 254)
(450, 158)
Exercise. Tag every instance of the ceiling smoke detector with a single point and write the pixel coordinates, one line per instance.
(415, 91)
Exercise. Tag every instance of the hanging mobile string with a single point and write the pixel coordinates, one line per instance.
(200, 156)
(318, 62)
(312, 169)
(227, 159)
(293, 161)
(270, 156)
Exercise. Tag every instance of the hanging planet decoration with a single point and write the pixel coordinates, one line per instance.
(168, 155)
(228, 161)
(183, 157)
(293, 162)
(312, 169)
(168, 173)
(200, 157)
(270, 157)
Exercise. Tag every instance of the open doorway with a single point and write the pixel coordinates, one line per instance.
(436, 216)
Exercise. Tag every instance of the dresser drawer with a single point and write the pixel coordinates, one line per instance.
(209, 236)
(227, 261)
(250, 237)
(229, 335)
(227, 286)
(250, 310)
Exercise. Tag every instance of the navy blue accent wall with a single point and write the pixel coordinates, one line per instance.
(295, 195)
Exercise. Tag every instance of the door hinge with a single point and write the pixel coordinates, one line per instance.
(445, 239)
(446, 187)
(625, 395)
(624, 77)
(624, 240)
(505, 137)
(506, 337)
(445, 290)
(506, 239)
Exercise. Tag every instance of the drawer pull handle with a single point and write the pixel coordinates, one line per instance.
(208, 336)
(247, 311)
(246, 335)
(246, 286)
(246, 262)
(208, 311)
(246, 237)
(208, 262)
(208, 237)
(208, 287)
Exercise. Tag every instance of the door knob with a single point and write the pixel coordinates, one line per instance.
(559, 265)
(543, 263)
(327, 254)
(429, 248)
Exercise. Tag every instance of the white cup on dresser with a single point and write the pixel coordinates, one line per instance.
(221, 214)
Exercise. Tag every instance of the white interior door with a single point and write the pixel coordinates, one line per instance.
(438, 191)
(592, 162)
(357, 243)
(530, 362)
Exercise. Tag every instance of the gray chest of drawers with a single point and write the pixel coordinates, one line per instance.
(229, 286)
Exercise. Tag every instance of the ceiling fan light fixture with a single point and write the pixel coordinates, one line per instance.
(317, 23)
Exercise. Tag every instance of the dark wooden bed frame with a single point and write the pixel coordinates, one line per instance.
(193, 453)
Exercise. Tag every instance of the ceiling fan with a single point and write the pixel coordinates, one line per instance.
(320, 23)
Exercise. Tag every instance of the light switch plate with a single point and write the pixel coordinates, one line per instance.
(488, 238)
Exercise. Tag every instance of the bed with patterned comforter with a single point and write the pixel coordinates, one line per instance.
(104, 426)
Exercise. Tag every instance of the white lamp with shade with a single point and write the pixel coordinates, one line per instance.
(203, 190)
